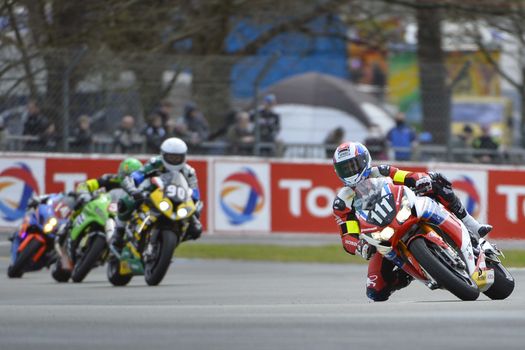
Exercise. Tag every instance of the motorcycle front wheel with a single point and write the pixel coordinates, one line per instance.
(156, 267)
(461, 286)
(94, 251)
(16, 270)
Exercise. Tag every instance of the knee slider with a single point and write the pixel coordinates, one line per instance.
(376, 295)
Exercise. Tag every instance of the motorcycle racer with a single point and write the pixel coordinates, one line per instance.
(172, 159)
(85, 191)
(352, 163)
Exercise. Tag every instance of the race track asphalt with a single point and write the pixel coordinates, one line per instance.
(249, 306)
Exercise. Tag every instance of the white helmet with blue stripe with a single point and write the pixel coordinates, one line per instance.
(352, 163)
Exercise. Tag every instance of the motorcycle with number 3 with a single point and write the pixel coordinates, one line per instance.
(400, 225)
(156, 228)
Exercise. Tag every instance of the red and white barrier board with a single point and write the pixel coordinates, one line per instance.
(270, 196)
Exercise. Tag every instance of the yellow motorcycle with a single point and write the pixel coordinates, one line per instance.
(154, 231)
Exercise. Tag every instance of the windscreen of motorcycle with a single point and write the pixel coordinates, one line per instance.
(176, 187)
(375, 202)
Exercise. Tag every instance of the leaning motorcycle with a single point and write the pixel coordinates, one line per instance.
(86, 243)
(157, 226)
(32, 246)
(399, 224)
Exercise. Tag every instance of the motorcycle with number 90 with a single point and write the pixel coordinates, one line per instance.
(156, 228)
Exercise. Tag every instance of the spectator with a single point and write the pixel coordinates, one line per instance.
(485, 142)
(268, 123)
(332, 140)
(356, 70)
(193, 127)
(462, 145)
(126, 139)
(82, 135)
(241, 135)
(401, 138)
(154, 133)
(229, 119)
(164, 111)
(49, 140)
(35, 124)
(379, 80)
(376, 143)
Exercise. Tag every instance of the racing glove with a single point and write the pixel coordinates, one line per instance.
(423, 185)
(82, 199)
(33, 202)
(139, 196)
(365, 249)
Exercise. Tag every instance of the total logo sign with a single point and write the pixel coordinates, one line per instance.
(507, 203)
(19, 181)
(242, 197)
(302, 198)
(471, 188)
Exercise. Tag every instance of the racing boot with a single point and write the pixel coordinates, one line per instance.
(62, 233)
(476, 229)
(117, 241)
(194, 230)
(442, 188)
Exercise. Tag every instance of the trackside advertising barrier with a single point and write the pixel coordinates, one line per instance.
(253, 195)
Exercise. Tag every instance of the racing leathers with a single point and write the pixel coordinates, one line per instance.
(383, 277)
(83, 194)
(155, 167)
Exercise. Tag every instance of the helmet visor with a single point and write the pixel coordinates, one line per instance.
(351, 167)
(174, 158)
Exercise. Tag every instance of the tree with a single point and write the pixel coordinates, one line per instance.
(511, 28)
(435, 90)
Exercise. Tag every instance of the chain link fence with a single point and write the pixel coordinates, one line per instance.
(101, 102)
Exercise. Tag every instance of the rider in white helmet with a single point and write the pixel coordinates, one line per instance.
(172, 159)
(352, 163)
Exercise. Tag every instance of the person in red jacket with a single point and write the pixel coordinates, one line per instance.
(352, 163)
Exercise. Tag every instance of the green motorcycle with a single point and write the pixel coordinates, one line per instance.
(87, 244)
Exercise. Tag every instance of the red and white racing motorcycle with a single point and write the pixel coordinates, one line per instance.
(400, 225)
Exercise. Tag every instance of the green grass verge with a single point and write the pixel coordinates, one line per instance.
(333, 254)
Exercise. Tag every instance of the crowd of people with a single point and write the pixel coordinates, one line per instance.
(244, 132)
(238, 136)
(403, 143)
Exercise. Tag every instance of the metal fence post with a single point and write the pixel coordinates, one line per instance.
(65, 95)
(258, 79)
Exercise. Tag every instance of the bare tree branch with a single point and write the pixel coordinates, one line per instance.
(21, 46)
(493, 63)
(252, 47)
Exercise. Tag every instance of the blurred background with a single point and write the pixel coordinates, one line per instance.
(415, 80)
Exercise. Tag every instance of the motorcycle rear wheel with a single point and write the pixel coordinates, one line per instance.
(502, 286)
(441, 273)
(60, 274)
(155, 270)
(114, 276)
(91, 256)
(17, 269)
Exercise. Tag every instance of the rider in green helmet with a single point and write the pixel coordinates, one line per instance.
(84, 191)
(110, 181)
